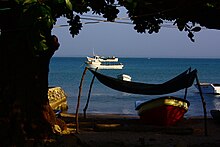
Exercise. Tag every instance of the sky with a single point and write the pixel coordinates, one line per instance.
(121, 40)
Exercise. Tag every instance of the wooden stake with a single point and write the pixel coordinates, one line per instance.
(78, 102)
(189, 70)
(89, 94)
(203, 104)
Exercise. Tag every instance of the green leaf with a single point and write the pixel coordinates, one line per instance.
(25, 1)
(69, 4)
(210, 5)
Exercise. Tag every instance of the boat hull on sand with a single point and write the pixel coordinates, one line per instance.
(57, 98)
(165, 111)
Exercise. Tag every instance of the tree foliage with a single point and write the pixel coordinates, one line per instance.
(146, 15)
(186, 14)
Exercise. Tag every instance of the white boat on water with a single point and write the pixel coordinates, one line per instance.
(103, 59)
(124, 77)
(93, 64)
(209, 88)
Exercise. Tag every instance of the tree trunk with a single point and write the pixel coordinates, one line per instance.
(24, 104)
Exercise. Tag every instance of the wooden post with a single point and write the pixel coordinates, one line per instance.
(203, 104)
(89, 94)
(78, 102)
(189, 70)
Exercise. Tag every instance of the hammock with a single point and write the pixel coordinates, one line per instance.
(183, 80)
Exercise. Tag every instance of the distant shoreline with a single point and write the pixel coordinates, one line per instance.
(144, 57)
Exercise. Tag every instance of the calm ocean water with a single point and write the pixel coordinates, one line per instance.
(67, 73)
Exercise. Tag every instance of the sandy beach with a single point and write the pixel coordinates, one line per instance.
(114, 130)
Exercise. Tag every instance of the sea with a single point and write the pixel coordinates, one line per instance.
(67, 72)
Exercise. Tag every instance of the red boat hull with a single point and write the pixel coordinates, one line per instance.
(163, 111)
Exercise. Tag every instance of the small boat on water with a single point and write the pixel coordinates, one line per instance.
(103, 59)
(167, 110)
(124, 77)
(209, 88)
(103, 65)
(96, 63)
